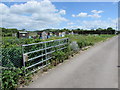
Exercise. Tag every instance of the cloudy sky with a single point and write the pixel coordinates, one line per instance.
(43, 14)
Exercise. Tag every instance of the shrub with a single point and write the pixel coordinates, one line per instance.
(83, 43)
(12, 57)
(74, 46)
(68, 52)
(11, 77)
(59, 56)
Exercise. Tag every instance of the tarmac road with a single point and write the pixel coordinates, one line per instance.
(94, 68)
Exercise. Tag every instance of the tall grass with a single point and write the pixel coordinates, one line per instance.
(88, 40)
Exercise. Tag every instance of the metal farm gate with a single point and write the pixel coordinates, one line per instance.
(38, 55)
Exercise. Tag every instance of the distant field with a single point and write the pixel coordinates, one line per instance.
(12, 41)
(9, 42)
(88, 40)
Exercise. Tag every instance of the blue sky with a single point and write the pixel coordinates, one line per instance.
(37, 15)
(110, 10)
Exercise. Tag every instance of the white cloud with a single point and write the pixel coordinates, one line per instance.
(62, 12)
(65, 0)
(31, 15)
(70, 23)
(94, 24)
(97, 12)
(3, 9)
(82, 14)
(73, 15)
(94, 15)
(102, 24)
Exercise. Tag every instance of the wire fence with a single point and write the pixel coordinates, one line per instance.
(33, 56)
(39, 55)
(12, 57)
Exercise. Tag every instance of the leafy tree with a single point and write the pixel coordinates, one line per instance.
(99, 29)
(8, 32)
(109, 28)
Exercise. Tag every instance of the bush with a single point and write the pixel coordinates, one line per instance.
(59, 56)
(82, 43)
(12, 57)
(11, 77)
(74, 46)
(68, 52)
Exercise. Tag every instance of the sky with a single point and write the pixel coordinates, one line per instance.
(44, 14)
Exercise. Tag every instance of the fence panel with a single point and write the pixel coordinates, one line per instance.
(38, 55)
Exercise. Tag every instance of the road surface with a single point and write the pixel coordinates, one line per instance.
(94, 68)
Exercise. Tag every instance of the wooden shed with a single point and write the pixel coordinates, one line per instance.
(22, 34)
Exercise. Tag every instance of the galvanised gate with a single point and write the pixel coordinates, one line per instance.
(38, 55)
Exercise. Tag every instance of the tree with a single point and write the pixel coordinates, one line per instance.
(99, 29)
(8, 32)
(109, 28)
